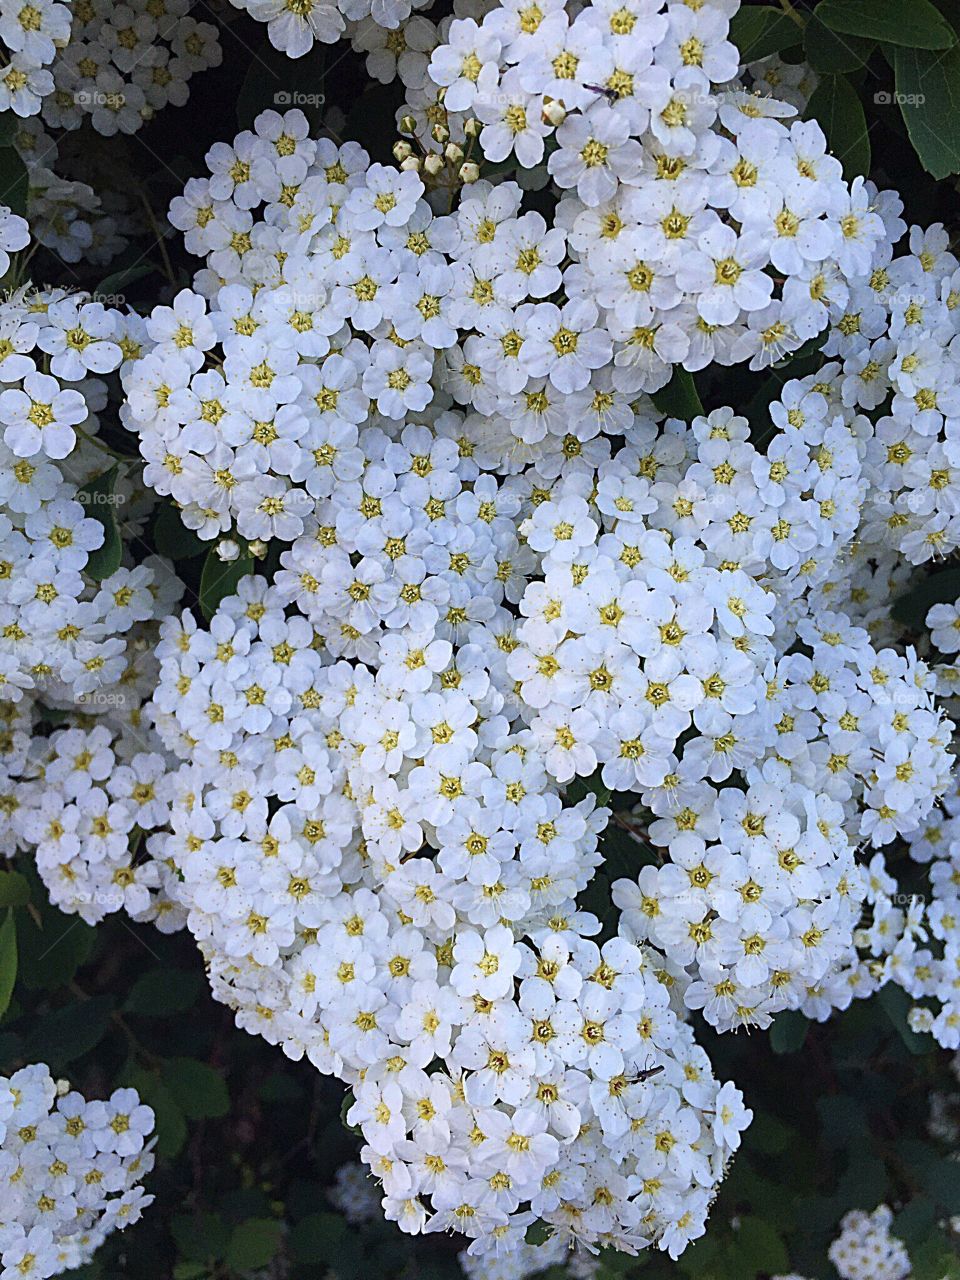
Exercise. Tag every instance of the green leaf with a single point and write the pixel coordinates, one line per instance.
(219, 580)
(10, 122)
(162, 992)
(896, 1004)
(70, 1032)
(759, 1248)
(253, 1244)
(14, 181)
(99, 503)
(837, 107)
(14, 889)
(828, 52)
(789, 1031)
(171, 1126)
(921, 27)
(196, 1087)
(933, 588)
(172, 538)
(761, 30)
(200, 1237)
(537, 1233)
(928, 93)
(51, 955)
(190, 1271)
(8, 960)
(318, 1238)
(679, 398)
(117, 282)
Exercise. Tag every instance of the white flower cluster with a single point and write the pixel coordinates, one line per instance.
(525, 1260)
(294, 25)
(71, 1172)
(125, 62)
(703, 226)
(381, 875)
(32, 32)
(62, 631)
(866, 1250)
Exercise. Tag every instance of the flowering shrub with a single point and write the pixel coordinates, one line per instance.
(477, 586)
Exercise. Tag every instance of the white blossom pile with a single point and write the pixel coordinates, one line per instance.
(505, 589)
(32, 33)
(125, 62)
(866, 1250)
(71, 1171)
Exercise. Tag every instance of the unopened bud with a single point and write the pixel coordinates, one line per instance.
(472, 127)
(408, 125)
(469, 172)
(411, 164)
(453, 151)
(257, 548)
(554, 112)
(401, 150)
(433, 164)
(227, 551)
(440, 133)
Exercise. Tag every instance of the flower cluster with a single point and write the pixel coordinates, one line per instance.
(125, 62)
(294, 25)
(866, 1250)
(71, 1171)
(33, 33)
(704, 226)
(381, 875)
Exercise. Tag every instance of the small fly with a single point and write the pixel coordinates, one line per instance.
(609, 94)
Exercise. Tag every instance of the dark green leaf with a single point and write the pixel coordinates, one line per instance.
(171, 1126)
(923, 27)
(14, 181)
(537, 1233)
(51, 955)
(70, 1032)
(10, 122)
(100, 503)
(789, 1031)
(253, 1244)
(933, 588)
(8, 961)
(928, 93)
(679, 398)
(198, 1089)
(318, 1238)
(896, 1004)
(759, 1248)
(161, 992)
(172, 538)
(115, 284)
(200, 1237)
(220, 580)
(835, 105)
(829, 52)
(761, 30)
(14, 889)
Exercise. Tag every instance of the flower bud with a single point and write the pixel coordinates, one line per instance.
(408, 125)
(433, 164)
(227, 550)
(554, 112)
(453, 151)
(411, 164)
(469, 172)
(401, 150)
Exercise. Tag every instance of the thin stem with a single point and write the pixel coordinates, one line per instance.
(791, 13)
(161, 240)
